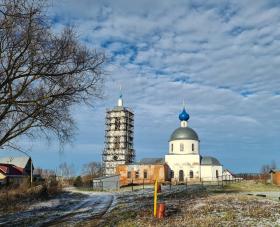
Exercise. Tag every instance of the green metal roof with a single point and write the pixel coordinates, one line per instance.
(184, 133)
(208, 160)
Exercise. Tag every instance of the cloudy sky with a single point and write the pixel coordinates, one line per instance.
(221, 57)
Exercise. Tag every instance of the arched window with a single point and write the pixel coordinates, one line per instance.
(191, 174)
(217, 174)
(192, 147)
(171, 174)
(181, 175)
(171, 147)
(181, 147)
(145, 174)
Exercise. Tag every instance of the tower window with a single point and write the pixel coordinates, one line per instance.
(117, 142)
(117, 123)
(192, 147)
(128, 174)
(181, 147)
(217, 174)
(191, 174)
(171, 147)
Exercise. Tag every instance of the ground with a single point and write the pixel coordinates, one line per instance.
(238, 204)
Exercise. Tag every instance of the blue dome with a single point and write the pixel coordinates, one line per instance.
(184, 116)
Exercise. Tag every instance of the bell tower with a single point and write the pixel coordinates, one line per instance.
(118, 138)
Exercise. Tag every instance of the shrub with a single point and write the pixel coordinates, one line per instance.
(78, 182)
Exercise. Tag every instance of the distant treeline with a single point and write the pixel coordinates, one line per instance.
(252, 176)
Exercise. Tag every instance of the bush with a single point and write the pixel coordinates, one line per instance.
(78, 182)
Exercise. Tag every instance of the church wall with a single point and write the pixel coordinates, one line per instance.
(186, 163)
(187, 147)
(208, 172)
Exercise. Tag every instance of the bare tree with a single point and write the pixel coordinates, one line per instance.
(66, 171)
(92, 169)
(266, 168)
(42, 74)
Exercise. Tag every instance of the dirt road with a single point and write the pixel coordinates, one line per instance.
(69, 208)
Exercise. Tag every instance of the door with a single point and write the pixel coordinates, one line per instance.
(181, 175)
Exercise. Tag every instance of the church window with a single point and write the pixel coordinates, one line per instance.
(137, 174)
(181, 147)
(181, 175)
(171, 174)
(128, 174)
(145, 174)
(192, 147)
(171, 147)
(191, 174)
(217, 174)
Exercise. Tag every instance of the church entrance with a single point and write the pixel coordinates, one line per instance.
(181, 175)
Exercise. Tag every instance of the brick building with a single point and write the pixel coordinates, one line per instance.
(146, 171)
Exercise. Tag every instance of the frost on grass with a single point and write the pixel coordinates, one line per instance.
(202, 209)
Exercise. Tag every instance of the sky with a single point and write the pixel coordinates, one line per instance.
(221, 57)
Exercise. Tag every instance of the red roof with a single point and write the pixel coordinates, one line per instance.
(8, 169)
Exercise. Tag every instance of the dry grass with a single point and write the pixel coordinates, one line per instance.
(251, 186)
(16, 198)
(201, 209)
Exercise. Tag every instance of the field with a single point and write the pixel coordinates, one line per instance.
(247, 203)
(232, 205)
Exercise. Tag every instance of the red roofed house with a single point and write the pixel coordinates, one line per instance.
(10, 173)
(14, 169)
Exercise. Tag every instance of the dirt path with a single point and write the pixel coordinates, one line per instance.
(69, 208)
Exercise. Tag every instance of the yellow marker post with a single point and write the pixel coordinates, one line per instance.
(155, 198)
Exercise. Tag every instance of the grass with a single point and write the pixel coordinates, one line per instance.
(214, 207)
(250, 186)
(16, 198)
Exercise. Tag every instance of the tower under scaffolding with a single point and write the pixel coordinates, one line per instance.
(118, 138)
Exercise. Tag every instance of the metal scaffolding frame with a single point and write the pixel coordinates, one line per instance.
(118, 147)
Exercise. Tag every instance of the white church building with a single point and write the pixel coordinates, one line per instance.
(184, 159)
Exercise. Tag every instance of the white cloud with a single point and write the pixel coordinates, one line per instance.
(206, 53)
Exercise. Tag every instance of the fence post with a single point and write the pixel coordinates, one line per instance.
(143, 183)
(132, 185)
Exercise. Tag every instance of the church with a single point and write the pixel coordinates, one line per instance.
(182, 163)
(184, 159)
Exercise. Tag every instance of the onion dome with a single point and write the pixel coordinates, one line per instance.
(184, 116)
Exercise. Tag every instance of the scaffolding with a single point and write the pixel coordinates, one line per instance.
(118, 147)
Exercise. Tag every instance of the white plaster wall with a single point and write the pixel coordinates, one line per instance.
(208, 172)
(186, 163)
(187, 147)
(227, 175)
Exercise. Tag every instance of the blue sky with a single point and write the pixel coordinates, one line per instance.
(221, 57)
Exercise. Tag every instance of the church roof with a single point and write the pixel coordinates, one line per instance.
(208, 160)
(184, 133)
(150, 161)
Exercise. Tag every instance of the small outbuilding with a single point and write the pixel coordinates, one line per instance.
(275, 176)
(106, 183)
